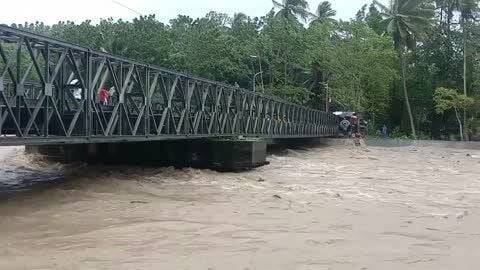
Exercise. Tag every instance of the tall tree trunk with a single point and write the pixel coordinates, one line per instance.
(405, 92)
(465, 83)
(459, 124)
(327, 98)
(271, 70)
(261, 73)
(286, 50)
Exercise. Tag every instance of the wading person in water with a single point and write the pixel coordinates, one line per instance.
(354, 124)
(384, 131)
(103, 96)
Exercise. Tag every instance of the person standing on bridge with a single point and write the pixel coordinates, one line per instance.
(103, 96)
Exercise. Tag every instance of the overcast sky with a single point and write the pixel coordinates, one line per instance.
(52, 11)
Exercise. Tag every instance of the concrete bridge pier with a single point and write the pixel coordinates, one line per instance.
(215, 154)
(234, 155)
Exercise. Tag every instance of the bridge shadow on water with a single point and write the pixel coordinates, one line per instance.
(20, 173)
(50, 184)
(21, 181)
(23, 176)
(16, 179)
(284, 147)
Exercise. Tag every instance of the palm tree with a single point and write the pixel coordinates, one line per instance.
(292, 9)
(466, 8)
(289, 11)
(406, 21)
(324, 12)
(239, 18)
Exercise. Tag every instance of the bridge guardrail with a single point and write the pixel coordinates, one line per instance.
(147, 102)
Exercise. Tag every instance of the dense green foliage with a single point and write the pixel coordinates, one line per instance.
(450, 99)
(407, 22)
(305, 55)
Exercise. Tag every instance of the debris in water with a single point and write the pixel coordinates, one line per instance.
(261, 180)
(139, 202)
(277, 196)
(462, 215)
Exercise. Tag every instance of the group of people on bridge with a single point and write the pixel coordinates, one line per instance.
(103, 95)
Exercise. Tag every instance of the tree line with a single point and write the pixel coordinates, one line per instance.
(412, 64)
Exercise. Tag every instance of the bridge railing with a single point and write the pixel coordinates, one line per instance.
(49, 93)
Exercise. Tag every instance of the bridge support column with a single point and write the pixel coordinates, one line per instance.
(237, 155)
(216, 154)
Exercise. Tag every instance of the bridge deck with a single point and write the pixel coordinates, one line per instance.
(49, 94)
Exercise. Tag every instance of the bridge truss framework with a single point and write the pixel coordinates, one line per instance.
(38, 103)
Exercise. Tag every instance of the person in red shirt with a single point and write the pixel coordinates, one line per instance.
(354, 121)
(103, 96)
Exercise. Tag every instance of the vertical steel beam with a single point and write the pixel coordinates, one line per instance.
(19, 87)
(88, 95)
(47, 88)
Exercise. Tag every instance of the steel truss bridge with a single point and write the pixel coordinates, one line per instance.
(48, 95)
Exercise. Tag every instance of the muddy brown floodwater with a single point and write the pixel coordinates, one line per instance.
(323, 208)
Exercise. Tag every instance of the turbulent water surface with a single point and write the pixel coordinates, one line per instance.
(323, 208)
